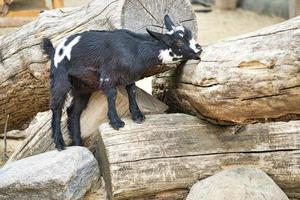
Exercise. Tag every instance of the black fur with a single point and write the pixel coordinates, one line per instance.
(48, 48)
(103, 60)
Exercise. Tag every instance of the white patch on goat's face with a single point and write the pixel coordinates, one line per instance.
(193, 45)
(167, 56)
(63, 51)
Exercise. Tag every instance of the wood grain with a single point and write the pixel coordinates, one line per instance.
(170, 152)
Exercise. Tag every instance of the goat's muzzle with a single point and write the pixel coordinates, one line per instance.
(196, 56)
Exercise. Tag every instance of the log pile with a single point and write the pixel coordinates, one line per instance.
(247, 79)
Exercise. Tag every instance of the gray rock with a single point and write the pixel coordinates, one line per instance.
(237, 183)
(64, 175)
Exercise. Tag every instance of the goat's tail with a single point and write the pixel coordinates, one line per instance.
(48, 48)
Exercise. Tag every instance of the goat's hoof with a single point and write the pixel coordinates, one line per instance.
(117, 124)
(60, 145)
(139, 118)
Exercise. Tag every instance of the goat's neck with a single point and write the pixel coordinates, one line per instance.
(155, 53)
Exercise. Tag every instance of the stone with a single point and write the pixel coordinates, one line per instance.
(64, 175)
(237, 183)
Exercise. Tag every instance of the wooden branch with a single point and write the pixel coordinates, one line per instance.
(168, 153)
(249, 78)
(24, 84)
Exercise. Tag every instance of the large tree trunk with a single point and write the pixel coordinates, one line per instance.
(163, 157)
(24, 69)
(39, 132)
(253, 77)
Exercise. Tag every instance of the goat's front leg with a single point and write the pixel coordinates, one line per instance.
(112, 114)
(136, 114)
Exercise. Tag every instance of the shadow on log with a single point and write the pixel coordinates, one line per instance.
(39, 132)
(167, 154)
(24, 87)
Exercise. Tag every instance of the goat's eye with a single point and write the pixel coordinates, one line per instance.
(179, 42)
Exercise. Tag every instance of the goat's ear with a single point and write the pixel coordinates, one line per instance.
(156, 35)
(168, 23)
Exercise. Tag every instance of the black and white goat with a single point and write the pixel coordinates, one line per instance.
(103, 60)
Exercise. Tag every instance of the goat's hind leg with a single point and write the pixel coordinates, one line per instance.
(135, 111)
(60, 86)
(79, 103)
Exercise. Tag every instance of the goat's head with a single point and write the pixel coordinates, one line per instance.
(179, 40)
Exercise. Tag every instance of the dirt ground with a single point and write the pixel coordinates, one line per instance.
(219, 24)
(213, 26)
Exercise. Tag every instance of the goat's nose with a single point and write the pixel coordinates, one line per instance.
(199, 52)
(199, 49)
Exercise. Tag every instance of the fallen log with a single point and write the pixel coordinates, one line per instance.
(24, 87)
(249, 78)
(39, 132)
(168, 153)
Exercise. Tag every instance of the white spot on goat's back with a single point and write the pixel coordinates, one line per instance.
(166, 58)
(193, 45)
(63, 51)
(58, 58)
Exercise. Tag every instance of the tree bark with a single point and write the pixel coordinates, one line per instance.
(39, 132)
(167, 154)
(25, 70)
(249, 78)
